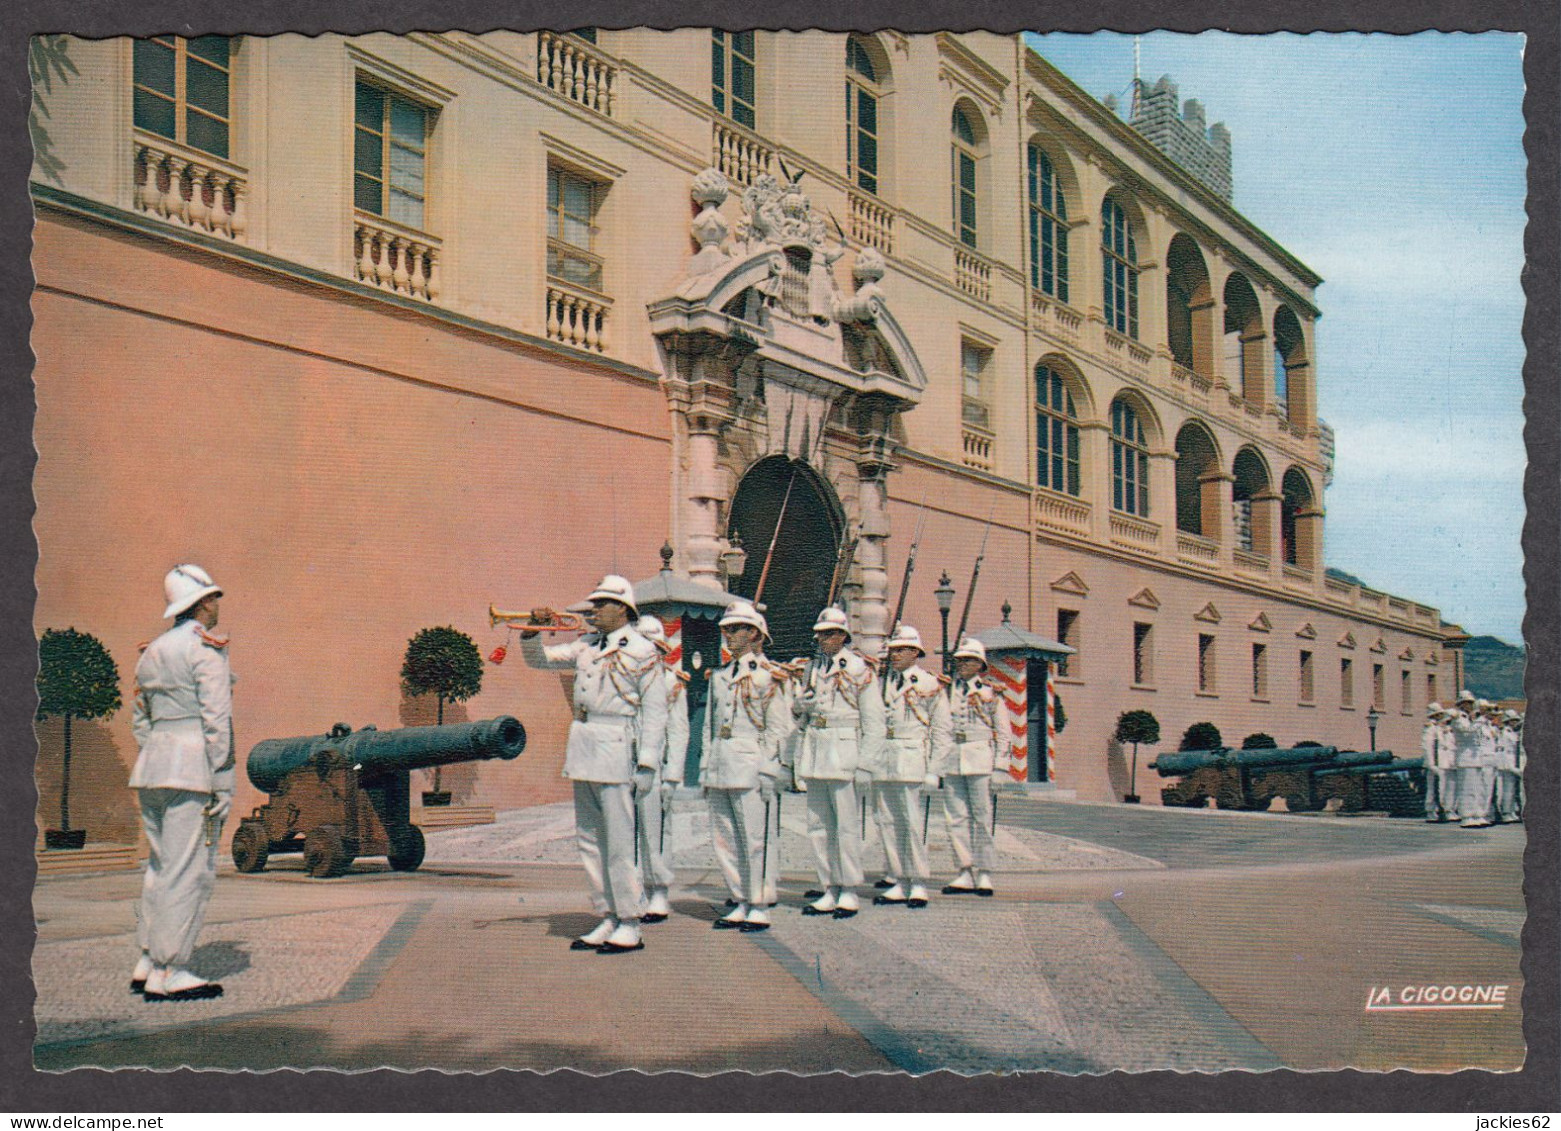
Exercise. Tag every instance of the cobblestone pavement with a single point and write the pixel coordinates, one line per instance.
(1120, 938)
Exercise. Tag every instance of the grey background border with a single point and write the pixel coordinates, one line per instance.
(1537, 1088)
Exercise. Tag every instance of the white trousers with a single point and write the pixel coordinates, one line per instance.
(901, 817)
(604, 832)
(655, 857)
(1440, 799)
(1477, 793)
(967, 803)
(180, 872)
(1509, 804)
(832, 830)
(737, 826)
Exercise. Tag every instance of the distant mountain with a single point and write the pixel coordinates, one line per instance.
(1492, 668)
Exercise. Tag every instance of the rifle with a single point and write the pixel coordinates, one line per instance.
(843, 563)
(975, 574)
(905, 588)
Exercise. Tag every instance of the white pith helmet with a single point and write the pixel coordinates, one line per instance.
(743, 612)
(833, 620)
(652, 629)
(615, 588)
(905, 637)
(971, 649)
(1433, 708)
(184, 586)
(1465, 696)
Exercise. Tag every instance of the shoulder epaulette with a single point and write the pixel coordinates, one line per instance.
(682, 675)
(209, 640)
(944, 680)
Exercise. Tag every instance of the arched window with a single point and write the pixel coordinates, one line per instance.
(1289, 350)
(1129, 461)
(1056, 433)
(1196, 457)
(1119, 262)
(1297, 498)
(861, 116)
(964, 157)
(1048, 228)
(732, 71)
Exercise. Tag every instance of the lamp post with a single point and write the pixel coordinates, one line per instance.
(734, 561)
(945, 595)
(1372, 716)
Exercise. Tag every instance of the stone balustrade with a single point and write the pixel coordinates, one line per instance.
(395, 258)
(973, 274)
(977, 445)
(1056, 511)
(189, 187)
(1299, 575)
(1056, 318)
(576, 70)
(872, 222)
(577, 317)
(1197, 549)
(738, 153)
(1248, 562)
(1130, 530)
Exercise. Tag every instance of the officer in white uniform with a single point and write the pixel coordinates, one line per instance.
(616, 743)
(1436, 753)
(828, 709)
(655, 857)
(1507, 768)
(183, 725)
(906, 727)
(982, 743)
(746, 720)
(1469, 754)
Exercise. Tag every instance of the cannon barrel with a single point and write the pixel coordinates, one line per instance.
(1387, 765)
(376, 751)
(1182, 762)
(1274, 757)
(1363, 757)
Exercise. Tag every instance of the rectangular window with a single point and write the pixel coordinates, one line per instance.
(861, 137)
(1068, 633)
(1346, 682)
(732, 71)
(1430, 688)
(1259, 671)
(1378, 692)
(1206, 682)
(182, 88)
(972, 367)
(572, 203)
(1143, 654)
(389, 155)
(964, 178)
(1308, 679)
(1406, 695)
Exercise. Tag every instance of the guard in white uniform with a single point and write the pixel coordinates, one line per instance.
(828, 709)
(655, 856)
(906, 728)
(616, 744)
(1475, 782)
(1436, 752)
(183, 725)
(982, 743)
(1507, 778)
(746, 720)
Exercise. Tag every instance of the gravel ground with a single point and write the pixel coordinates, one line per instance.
(545, 834)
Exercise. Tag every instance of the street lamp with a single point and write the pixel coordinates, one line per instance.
(1372, 716)
(945, 595)
(734, 561)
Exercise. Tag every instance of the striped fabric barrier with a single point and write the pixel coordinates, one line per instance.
(673, 627)
(1011, 674)
(1051, 726)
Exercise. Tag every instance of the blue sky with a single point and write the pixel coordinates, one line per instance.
(1393, 166)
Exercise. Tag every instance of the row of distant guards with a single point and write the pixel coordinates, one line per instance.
(855, 736)
(1474, 760)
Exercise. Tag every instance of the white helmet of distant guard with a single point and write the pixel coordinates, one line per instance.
(743, 612)
(1433, 708)
(184, 586)
(905, 637)
(652, 629)
(1465, 696)
(833, 620)
(971, 649)
(615, 588)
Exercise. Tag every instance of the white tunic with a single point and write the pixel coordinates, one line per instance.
(620, 700)
(677, 727)
(1466, 741)
(906, 726)
(982, 735)
(746, 721)
(183, 713)
(829, 709)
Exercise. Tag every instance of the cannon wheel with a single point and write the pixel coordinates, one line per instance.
(1228, 796)
(406, 849)
(1304, 803)
(324, 854)
(251, 846)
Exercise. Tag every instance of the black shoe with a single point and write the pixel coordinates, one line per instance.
(844, 912)
(985, 892)
(194, 993)
(610, 948)
(880, 901)
(916, 903)
(811, 910)
(884, 883)
(137, 985)
(952, 890)
(652, 917)
(581, 944)
(726, 925)
(753, 928)
(813, 893)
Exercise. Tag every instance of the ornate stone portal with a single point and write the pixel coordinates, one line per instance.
(763, 355)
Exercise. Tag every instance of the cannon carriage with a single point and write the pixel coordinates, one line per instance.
(345, 794)
(1307, 777)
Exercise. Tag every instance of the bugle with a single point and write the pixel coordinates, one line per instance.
(561, 622)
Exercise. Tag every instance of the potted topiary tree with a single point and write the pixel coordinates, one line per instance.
(1202, 736)
(77, 679)
(442, 662)
(1259, 741)
(1136, 727)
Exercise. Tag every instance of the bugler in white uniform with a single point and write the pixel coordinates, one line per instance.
(616, 743)
(183, 724)
(655, 857)
(829, 756)
(746, 720)
(907, 732)
(982, 743)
